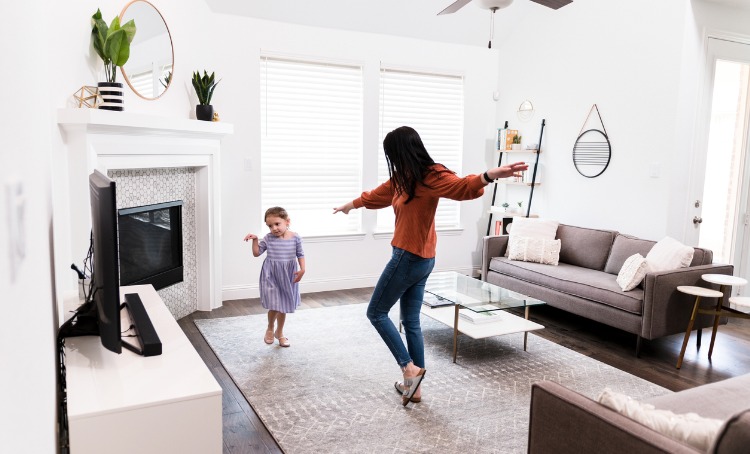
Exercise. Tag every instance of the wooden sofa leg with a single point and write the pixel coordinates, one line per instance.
(698, 338)
(638, 347)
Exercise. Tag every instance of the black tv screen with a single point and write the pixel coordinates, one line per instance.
(105, 285)
(151, 244)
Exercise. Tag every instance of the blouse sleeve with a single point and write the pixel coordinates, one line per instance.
(447, 184)
(262, 246)
(300, 252)
(380, 197)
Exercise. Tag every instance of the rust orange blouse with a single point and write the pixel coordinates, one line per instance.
(415, 221)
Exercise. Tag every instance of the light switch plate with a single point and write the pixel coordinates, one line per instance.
(16, 206)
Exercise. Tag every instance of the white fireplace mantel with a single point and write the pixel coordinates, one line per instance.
(104, 140)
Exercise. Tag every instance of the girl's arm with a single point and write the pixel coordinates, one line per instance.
(256, 248)
(301, 272)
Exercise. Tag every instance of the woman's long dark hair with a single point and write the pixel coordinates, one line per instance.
(407, 158)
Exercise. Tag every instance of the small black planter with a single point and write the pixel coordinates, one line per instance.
(112, 96)
(205, 113)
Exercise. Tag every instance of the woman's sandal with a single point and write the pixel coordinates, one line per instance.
(400, 389)
(411, 384)
(283, 341)
(268, 338)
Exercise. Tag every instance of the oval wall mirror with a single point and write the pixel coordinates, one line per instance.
(148, 71)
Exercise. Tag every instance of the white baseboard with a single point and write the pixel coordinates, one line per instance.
(238, 292)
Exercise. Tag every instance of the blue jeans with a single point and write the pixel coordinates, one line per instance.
(403, 278)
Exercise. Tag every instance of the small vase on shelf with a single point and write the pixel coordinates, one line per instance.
(204, 112)
(112, 96)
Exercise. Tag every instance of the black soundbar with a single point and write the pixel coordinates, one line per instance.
(144, 329)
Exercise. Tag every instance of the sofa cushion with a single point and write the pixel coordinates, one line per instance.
(592, 285)
(585, 247)
(623, 247)
(720, 399)
(702, 257)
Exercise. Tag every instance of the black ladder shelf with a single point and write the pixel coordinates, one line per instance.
(533, 176)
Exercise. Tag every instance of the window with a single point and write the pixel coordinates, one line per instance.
(311, 142)
(432, 104)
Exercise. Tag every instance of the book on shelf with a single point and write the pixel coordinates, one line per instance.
(498, 228)
(479, 317)
(433, 301)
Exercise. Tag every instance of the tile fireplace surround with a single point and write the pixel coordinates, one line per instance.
(112, 141)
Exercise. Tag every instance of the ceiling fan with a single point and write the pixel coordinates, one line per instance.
(494, 5)
(497, 4)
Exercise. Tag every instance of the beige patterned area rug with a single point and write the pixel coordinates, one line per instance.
(332, 390)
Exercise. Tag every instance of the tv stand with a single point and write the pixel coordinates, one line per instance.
(144, 329)
(127, 403)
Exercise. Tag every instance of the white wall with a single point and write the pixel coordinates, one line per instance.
(626, 58)
(27, 336)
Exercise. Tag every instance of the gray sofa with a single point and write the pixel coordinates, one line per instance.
(563, 421)
(584, 282)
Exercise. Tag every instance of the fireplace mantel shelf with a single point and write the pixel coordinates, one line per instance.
(104, 121)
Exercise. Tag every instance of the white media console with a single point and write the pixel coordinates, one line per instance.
(128, 403)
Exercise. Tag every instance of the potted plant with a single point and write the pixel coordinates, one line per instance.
(520, 207)
(505, 206)
(112, 44)
(516, 143)
(204, 88)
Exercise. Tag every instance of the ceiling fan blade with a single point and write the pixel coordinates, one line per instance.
(455, 6)
(554, 4)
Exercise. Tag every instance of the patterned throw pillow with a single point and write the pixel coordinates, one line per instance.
(535, 250)
(632, 272)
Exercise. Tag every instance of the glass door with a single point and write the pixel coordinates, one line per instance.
(721, 220)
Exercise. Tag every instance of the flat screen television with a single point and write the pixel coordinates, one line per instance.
(100, 313)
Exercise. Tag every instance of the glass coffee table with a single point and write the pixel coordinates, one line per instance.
(475, 308)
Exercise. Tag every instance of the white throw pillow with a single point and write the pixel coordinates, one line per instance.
(534, 228)
(632, 272)
(687, 428)
(535, 250)
(669, 254)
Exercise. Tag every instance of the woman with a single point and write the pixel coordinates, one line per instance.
(415, 186)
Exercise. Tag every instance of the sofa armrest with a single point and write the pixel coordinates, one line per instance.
(565, 422)
(492, 246)
(667, 311)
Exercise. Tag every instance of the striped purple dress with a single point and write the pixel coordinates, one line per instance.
(278, 291)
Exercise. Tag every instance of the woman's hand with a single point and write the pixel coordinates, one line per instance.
(251, 236)
(345, 208)
(508, 170)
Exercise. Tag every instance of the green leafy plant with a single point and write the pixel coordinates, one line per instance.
(167, 77)
(517, 139)
(505, 205)
(520, 204)
(111, 43)
(204, 86)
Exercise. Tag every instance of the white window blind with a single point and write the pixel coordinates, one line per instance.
(311, 142)
(432, 104)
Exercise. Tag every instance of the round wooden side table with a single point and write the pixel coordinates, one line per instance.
(721, 308)
(698, 292)
(740, 301)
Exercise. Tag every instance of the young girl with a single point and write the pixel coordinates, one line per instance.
(279, 276)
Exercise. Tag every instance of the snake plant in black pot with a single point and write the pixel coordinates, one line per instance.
(204, 88)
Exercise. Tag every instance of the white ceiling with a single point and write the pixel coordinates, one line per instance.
(742, 4)
(411, 18)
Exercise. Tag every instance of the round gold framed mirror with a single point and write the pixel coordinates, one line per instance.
(148, 71)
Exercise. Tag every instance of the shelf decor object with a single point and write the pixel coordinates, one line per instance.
(112, 44)
(592, 150)
(88, 96)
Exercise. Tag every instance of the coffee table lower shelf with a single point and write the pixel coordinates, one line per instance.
(507, 324)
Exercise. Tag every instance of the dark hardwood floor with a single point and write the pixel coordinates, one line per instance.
(245, 433)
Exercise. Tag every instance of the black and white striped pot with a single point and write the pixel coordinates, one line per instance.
(112, 96)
